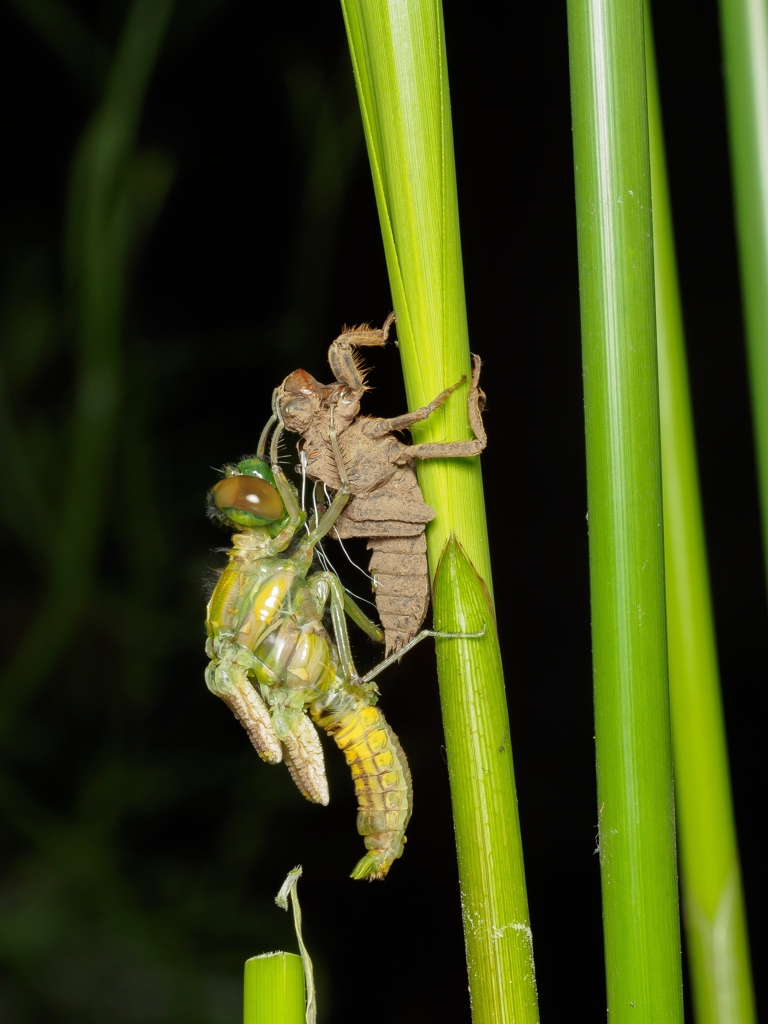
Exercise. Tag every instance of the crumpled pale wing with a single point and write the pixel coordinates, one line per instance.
(304, 759)
(252, 713)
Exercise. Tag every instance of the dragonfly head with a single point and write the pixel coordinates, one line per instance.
(247, 496)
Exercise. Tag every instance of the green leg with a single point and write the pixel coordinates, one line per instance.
(295, 514)
(358, 616)
(262, 445)
(412, 643)
(354, 611)
(328, 585)
(326, 523)
(289, 500)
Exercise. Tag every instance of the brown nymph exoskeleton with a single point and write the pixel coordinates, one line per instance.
(386, 505)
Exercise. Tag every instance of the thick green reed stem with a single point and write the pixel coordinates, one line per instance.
(634, 764)
(712, 894)
(744, 27)
(274, 989)
(399, 59)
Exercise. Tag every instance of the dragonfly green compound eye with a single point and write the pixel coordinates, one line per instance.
(248, 494)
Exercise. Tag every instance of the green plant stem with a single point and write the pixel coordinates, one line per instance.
(744, 29)
(274, 989)
(497, 933)
(634, 765)
(115, 191)
(712, 893)
(399, 58)
(81, 51)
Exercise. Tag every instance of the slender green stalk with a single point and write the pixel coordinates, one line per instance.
(82, 52)
(744, 27)
(712, 894)
(634, 765)
(274, 989)
(289, 889)
(116, 191)
(399, 58)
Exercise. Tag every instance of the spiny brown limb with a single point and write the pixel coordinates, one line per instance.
(457, 449)
(347, 366)
(404, 422)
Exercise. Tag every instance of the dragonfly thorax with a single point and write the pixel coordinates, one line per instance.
(254, 539)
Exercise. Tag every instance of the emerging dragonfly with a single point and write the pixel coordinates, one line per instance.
(272, 660)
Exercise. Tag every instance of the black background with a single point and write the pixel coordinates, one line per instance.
(142, 840)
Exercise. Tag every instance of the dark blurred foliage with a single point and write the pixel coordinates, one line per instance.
(187, 217)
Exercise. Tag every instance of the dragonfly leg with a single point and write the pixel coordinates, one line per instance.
(369, 676)
(326, 586)
(295, 514)
(341, 497)
(325, 525)
(388, 426)
(262, 445)
(358, 616)
(457, 449)
(341, 354)
(351, 607)
(334, 439)
(289, 499)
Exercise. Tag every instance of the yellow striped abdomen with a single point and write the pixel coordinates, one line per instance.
(382, 782)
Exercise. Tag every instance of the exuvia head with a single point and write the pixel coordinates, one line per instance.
(300, 399)
(247, 496)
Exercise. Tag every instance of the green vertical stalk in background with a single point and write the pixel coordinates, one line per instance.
(399, 58)
(116, 191)
(634, 762)
(274, 989)
(712, 894)
(744, 27)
